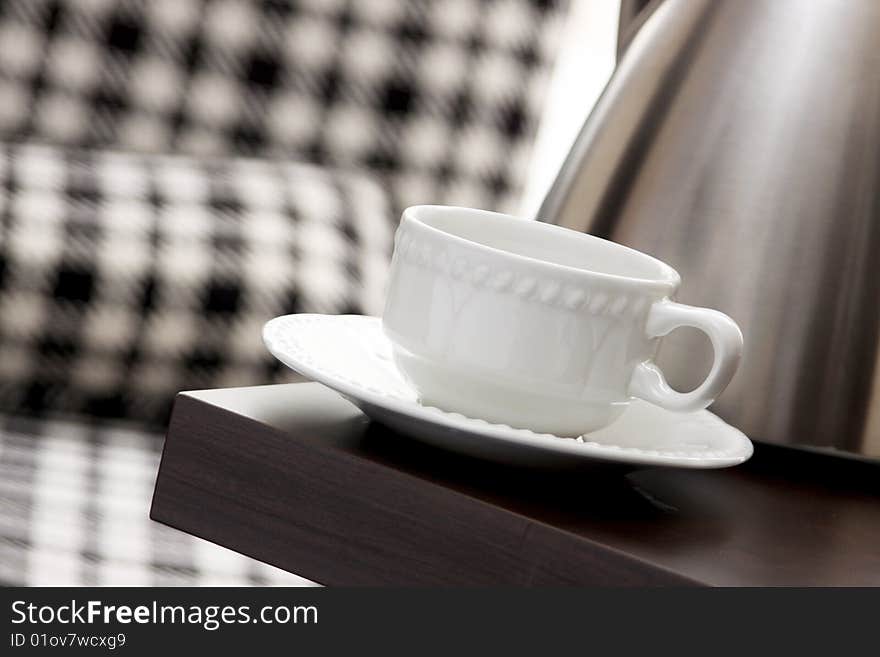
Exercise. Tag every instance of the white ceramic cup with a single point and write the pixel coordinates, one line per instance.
(535, 326)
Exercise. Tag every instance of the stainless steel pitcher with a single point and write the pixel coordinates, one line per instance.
(739, 140)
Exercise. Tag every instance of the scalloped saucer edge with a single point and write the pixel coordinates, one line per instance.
(351, 355)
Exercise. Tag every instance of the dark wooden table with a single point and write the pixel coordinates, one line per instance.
(296, 476)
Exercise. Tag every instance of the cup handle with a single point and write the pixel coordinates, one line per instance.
(648, 382)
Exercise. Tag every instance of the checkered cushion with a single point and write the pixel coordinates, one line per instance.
(74, 505)
(127, 278)
(442, 96)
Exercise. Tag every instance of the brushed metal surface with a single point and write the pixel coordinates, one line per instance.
(739, 141)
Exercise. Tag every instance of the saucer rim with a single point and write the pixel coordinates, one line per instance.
(575, 447)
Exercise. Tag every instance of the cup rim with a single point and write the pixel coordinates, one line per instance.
(667, 276)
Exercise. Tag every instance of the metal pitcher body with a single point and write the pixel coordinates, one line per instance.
(739, 141)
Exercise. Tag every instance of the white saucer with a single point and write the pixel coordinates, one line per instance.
(351, 355)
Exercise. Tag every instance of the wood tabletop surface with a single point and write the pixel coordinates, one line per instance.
(296, 476)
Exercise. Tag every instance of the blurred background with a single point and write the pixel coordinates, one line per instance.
(173, 173)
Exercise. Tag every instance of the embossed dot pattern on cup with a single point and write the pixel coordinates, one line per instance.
(527, 287)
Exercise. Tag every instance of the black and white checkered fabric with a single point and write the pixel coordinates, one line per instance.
(441, 96)
(128, 273)
(74, 505)
(127, 278)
